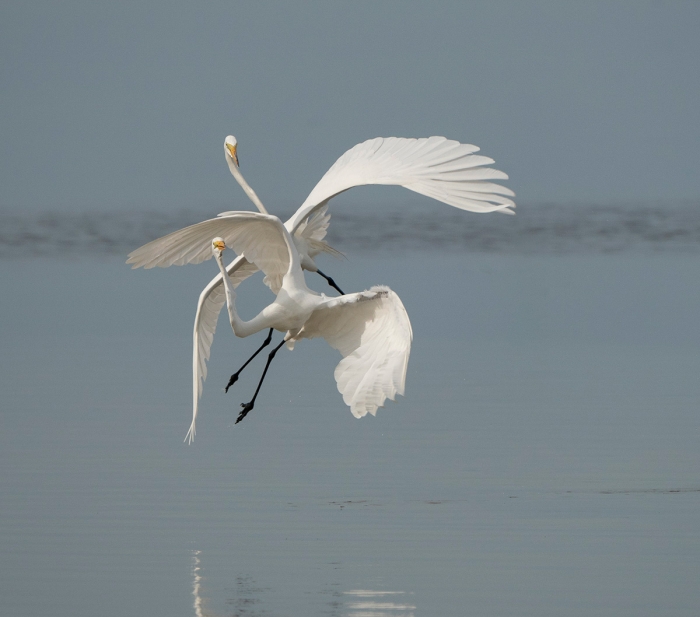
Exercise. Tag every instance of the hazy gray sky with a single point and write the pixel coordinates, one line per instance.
(125, 105)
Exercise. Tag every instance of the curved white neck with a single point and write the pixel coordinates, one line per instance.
(244, 185)
(240, 328)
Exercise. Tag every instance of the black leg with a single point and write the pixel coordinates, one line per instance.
(331, 282)
(234, 377)
(248, 406)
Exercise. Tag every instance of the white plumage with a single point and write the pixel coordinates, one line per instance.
(443, 169)
(370, 329)
(372, 332)
(211, 301)
(437, 167)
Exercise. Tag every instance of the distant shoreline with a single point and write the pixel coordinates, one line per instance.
(544, 229)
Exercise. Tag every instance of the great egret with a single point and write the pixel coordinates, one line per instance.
(443, 169)
(437, 167)
(370, 329)
(309, 238)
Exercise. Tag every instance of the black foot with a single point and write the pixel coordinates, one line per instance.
(244, 412)
(233, 380)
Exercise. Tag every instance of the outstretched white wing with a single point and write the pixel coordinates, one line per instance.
(211, 301)
(373, 334)
(437, 167)
(260, 237)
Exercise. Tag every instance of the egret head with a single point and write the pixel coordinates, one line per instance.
(230, 147)
(218, 244)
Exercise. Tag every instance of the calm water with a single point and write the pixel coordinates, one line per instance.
(544, 460)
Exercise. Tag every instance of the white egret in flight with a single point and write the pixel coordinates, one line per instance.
(443, 169)
(370, 329)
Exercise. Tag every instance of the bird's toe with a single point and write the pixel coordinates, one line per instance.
(244, 412)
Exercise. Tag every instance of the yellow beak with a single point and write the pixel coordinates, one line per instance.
(232, 151)
(219, 245)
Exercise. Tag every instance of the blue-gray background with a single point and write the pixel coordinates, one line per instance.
(544, 460)
(109, 105)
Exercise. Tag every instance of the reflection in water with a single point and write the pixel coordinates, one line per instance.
(358, 602)
(196, 585)
(244, 603)
(368, 603)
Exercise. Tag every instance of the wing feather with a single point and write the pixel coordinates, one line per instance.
(315, 227)
(423, 165)
(211, 301)
(372, 332)
(261, 237)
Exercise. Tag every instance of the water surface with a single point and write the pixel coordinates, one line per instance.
(544, 460)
